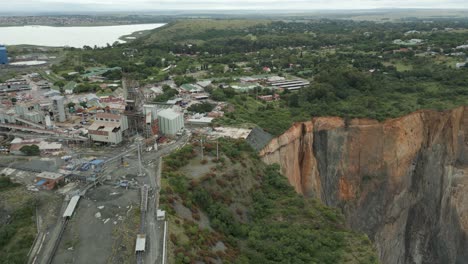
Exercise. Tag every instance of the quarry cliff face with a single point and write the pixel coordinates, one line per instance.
(404, 182)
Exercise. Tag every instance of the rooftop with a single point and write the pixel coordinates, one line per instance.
(258, 138)
(49, 175)
(108, 116)
(103, 126)
(140, 242)
(168, 114)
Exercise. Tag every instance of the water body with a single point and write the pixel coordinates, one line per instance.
(69, 36)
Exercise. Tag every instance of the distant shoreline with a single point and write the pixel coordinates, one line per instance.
(81, 25)
(74, 36)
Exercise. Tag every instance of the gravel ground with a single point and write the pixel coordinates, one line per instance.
(89, 235)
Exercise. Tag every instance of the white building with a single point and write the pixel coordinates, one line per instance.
(170, 121)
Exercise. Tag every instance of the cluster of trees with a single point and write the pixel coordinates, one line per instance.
(201, 108)
(261, 237)
(179, 80)
(18, 232)
(6, 183)
(30, 150)
(168, 93)
(86, 88)
(113, 75)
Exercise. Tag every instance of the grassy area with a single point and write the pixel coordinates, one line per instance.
(399, 65)
(273, 116)
(243, 211)
(51, 77)
(197, 30)
(17, 228)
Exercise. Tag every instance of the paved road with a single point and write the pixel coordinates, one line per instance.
(155, 230)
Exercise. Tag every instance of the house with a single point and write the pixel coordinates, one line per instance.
(269, 98)
(93, 100)
(204, 83)
(244, 86)
(192, 88)
(69, 87)
(52, 93)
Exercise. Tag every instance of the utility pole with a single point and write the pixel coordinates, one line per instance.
(140, 172)
(201, 147)
(217, 150)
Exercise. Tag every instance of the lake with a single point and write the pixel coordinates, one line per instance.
(69, 36)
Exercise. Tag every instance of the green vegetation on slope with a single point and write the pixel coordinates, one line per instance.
(239, 210)
(273, 117)
(17, 224)
(198, 30)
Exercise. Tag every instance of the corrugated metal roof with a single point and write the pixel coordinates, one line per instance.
(258, 138)
(168, 114)
(49, 175)
(71, 206)
(140, 242)
(107, 126)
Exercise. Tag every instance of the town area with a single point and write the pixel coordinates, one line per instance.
(97, 157)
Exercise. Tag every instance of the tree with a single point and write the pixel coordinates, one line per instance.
(201, 108)
(218, 95)
(30, 150)
(293, 100)
(79, 69)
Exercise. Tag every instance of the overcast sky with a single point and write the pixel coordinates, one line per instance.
(155, 5)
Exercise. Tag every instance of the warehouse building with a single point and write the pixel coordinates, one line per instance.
(48, 180)
(290, 85)
(170, 122)
(14, 85)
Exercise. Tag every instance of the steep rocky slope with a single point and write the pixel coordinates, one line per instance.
(404, 182)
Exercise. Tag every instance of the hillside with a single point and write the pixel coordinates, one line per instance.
(239, 210)
(17, 222)
(403, 181)
(198, 30)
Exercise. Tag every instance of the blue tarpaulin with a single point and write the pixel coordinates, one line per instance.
(41, 182)
(96, 162)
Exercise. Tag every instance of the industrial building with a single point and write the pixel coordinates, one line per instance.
(45, 148)
(3, 55)
(48, 180)
(58, 108)
(108, 128)
(14, 85)
(170, 122)
(290, 84)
